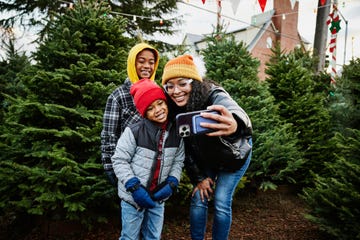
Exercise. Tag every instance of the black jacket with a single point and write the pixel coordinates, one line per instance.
(203, 152)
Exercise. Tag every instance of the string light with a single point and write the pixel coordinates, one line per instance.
(134, 16)
(186, 2)
(249, 24)
(283, 15)
(290, 13)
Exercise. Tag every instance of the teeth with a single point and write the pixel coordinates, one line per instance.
(145, 73)
(179, 99)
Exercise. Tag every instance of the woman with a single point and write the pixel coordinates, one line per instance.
(213, 176)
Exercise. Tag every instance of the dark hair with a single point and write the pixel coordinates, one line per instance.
(153, 51)
(199, 95)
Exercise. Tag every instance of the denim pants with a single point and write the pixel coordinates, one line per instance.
(146, 223)
(225, 185)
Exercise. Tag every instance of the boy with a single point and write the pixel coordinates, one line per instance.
(148, 161)
(142, 62)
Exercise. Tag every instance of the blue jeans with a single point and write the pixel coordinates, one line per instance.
(146, 222)
(225, 185)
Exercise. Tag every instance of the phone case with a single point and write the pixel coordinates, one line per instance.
(197, 129)
(184, 122)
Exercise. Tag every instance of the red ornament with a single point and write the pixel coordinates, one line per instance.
(262, 4)
(322, 2)
(203, 1)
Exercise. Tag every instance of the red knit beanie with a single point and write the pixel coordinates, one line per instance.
(145, 92)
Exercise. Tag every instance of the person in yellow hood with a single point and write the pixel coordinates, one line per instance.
(120, 111)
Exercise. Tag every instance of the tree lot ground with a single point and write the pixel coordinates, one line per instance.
(270, 215)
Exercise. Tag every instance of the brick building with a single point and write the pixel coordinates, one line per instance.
(277, 25)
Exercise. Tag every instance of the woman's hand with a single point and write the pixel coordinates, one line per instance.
(205, 188)
(226, 125)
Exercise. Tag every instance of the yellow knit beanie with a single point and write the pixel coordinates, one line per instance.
(182, 66)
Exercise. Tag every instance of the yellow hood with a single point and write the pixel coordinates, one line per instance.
(131, 70)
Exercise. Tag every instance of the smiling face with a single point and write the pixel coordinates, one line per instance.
(145, 63)
(157, 111)
(179, 90)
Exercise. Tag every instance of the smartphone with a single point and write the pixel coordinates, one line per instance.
(188, 124)
(197, 119)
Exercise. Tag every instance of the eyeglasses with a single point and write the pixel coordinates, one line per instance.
(182, 84)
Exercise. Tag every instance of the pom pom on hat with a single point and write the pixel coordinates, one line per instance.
(145, 92)
(182, 66)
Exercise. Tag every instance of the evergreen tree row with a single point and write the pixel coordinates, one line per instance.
(50, 136)
(306, 133)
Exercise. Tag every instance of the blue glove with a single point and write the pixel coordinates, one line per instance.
(132, 184)
(165, 189)
(139, 193)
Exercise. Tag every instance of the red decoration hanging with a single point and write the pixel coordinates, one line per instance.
(262, 4)
(334, 21)
(322, 2)
(203, 1)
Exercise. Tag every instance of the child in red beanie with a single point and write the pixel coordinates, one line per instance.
(148, 161)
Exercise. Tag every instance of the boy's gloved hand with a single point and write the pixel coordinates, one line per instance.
(166, 190)
(139, 193)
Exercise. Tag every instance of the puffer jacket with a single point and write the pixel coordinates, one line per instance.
(204, 152)
(136, 156)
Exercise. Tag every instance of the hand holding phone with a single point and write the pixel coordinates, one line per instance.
(197, 128)
(188, 124)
